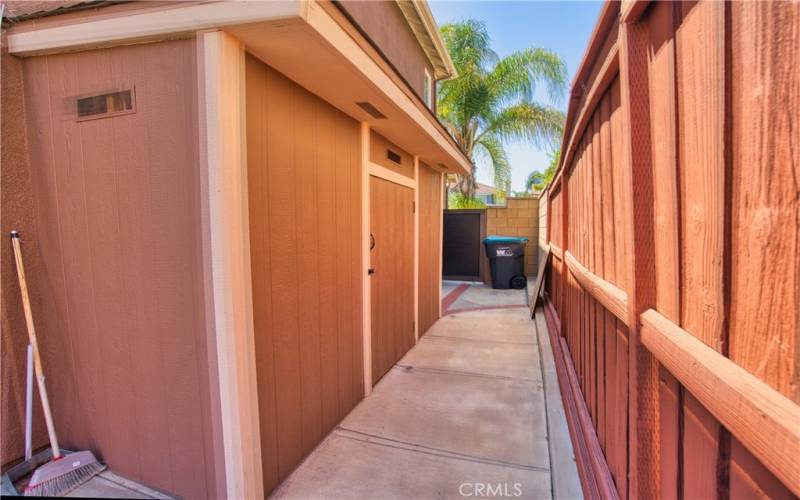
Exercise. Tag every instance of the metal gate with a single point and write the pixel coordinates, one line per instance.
(463, 255)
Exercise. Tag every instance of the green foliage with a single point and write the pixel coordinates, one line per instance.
(491, 101)
(538, 180)
(460, 200)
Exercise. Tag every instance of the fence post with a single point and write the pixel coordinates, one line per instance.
(564, 245)
(643, 427)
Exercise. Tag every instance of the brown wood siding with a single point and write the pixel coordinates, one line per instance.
(385, 25)
(430, 218)
(118, 217)
(701, 112)
(303, 160)
(392, 284)
(379, 149)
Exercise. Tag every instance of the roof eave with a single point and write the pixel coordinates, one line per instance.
(420, 19)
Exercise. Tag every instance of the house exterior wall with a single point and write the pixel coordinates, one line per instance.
(430, 254)
(16, 205)
(378, 153)
(304, 175)
(115, 263)
(115, 220)
(385, 25)
(520, 217)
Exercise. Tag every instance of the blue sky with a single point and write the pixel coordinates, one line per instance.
(563, 27)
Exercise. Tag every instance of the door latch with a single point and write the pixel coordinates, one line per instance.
(371, 270)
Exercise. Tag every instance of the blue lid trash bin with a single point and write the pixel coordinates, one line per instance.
(507, 261)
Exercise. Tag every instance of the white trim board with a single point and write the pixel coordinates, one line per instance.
(366, 301)
(416, 249)
(226, 248)
(390, 175)
(147, 25)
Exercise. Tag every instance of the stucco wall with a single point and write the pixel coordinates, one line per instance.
(17, 214)
(520, 217)
(384, 24)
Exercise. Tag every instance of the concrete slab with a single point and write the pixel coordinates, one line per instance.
(500, 325)
(348, 465)
(564, 470)
(476, 415)
(480, 295)
(466, 408)
(448, 286)
(109, 485)
(482, 357)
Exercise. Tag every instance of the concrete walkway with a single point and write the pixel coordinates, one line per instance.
(463, 414)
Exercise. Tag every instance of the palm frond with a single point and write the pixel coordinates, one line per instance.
(515, 76)
(492, 99)
(543, 125)
(501, 168)
(468, 44)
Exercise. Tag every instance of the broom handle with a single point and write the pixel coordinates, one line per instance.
(37, 362)
(29, 404)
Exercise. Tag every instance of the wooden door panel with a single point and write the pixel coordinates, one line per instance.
(392, 283)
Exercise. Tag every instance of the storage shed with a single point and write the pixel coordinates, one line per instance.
(231, 215)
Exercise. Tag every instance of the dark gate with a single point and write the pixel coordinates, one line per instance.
(462, 247)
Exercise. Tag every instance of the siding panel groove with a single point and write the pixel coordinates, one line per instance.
(119, 230)
(303, 169)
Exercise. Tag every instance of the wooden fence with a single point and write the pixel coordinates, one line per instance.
(674, 224)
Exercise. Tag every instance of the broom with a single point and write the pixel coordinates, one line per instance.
(63, 473)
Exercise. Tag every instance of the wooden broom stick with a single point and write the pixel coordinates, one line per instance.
(37, 363)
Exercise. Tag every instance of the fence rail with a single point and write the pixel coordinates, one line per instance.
(672, 294)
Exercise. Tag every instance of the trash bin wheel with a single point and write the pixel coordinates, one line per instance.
(518, 282)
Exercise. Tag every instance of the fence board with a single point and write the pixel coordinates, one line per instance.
(698, 126)
(701, 107)
(665, 200)
(765, 100)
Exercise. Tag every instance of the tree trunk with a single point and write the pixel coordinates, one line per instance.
(466, 184)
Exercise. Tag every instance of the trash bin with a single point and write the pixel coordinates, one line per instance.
(507, 261)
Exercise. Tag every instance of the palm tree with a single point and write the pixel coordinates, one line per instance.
(491, 101)
(539, 180)
(535, 181)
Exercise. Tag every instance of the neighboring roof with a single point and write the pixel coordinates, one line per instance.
(425, 29)
(22, 10)
(484, 189)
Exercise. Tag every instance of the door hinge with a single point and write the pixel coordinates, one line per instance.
(413, 207)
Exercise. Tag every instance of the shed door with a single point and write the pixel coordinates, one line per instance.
(392, 282)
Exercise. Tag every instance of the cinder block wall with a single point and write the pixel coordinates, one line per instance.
(520, 217)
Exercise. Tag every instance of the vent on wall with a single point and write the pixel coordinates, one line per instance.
(394, 156)
(103, 105)
(372, 110)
